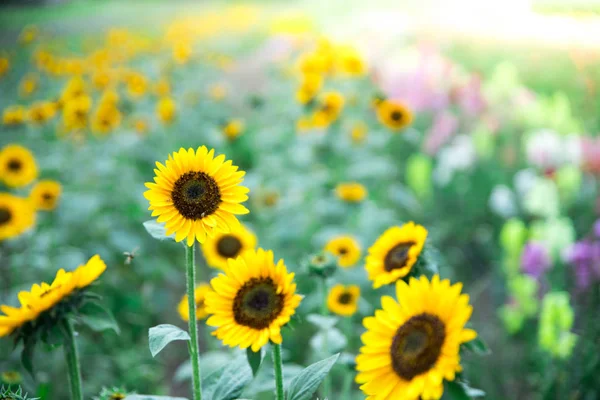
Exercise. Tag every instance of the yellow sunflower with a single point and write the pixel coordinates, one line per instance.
(351, 192)
(45, 195)
(42, 297)
(252, 300)
(197, 194)
(199, 297)
(330, 108)
(394, 253)
(343, 300)
(14, 115)
(346, 249)
(394, 115)
(412, 345)
(223, 246)
(166, 110)
(17, 166)
(41, 112)
(16, 216)
(233, 128)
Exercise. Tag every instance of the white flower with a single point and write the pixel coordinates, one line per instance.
(460, 155)
(503, 202)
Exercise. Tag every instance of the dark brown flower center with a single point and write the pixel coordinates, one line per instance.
(345, 298)
(396, 258)
(343, 251)
(5, 215)
(117, 396)
(47, 197)
(417, 345)
(229, 246)
(396, 115)
(196, 195)
(14, 165)
(257, 303)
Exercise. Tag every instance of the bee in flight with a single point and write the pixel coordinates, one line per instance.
(129, 256)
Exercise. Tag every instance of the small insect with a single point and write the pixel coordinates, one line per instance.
(129, 256)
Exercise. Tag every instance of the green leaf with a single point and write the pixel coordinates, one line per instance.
(306, 383)
(157, 231)
(477, 346)
(228, 382)
(254, 359)
(457, 390)
(27, 355)
(161, 335)
(97, 318)
(151, 397)
(322, 322)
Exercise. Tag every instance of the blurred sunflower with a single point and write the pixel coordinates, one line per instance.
(28, 85)
(199, 298)
(217, 92)
(223, 246)
(28, 34)
(45, 195)
(343, 300)
(358, 133)
(44, 297)
(41, 112)
(137, 84)
(106, 118)
(162, 88)
(309, 87)
(394, 253)
(17, 166)
(252, 300)
(74, 88)
(14, 115)
(330, 108)
(197, 194)
(76, 112)
(346, 249)
(16, 216)
(4, 66)
(412, 345)
(394, 115)
(141, 126)
(166, 109)
(351, 192)
(233, 128)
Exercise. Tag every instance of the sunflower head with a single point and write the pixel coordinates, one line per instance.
(346, 249)
(199, 298)
(17, 166)
(197, 194)
(233, 128)
(351, 192)
(413, 344)
(166, 109)
(17, 215)
(14, 115)
(394, 253)
(394, 115)
(45, 195)
(343, 300)
(252, 300)
(223, 246)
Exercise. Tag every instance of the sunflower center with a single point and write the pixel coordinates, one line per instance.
(342, 251)
(417, 345)
(257, 303)
(14, 165)
(196, 195)
(47, 196)
(5, 216)
(396, 258)
(345, 298)
(396, 115)
(229, 246)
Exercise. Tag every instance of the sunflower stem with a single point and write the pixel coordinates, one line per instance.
(278, 366)
(72, 357)
(325, 312)
(190, 253)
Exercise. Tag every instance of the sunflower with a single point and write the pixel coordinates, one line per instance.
(41, 112)
(343, 300)
(17, 166)
(45, 194)
(252, 300)
(166, 109)
(4, 66)
(233, 128)
(16, 216)
(106, 118)
(394, 253)
(351, 192)
(76, 112)
(199, 297)
(43, 297)
(346, 248)
(330, 108)
(14, 115)
(394, 115)
(223, 246)
(412, 345)
(197, 194)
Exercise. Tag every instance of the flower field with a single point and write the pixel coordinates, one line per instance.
(253, 201)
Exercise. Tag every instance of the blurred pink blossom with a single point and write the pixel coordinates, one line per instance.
(444, 126)
(590, 149)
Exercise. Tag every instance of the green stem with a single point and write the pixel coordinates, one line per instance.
(347, 384)
(190, 252)
(278, 366)
(324, 312)
(72, 357)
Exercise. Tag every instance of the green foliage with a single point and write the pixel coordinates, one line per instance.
(161, 335)
(306, 383)
(229, 381)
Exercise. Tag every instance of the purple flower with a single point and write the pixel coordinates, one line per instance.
(585, 257)
(597, 228)
(535, 259)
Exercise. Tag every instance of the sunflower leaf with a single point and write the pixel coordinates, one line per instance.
(254, 359)
(27, 355)
(228, 382)
(458, 390)
(97, 318)
(157, 231)
(161, 335)
(306, 383)
(477, 346)
(151, 397)
(322, 322)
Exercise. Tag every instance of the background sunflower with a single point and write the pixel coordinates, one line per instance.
(17, 166)
(223, 246)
